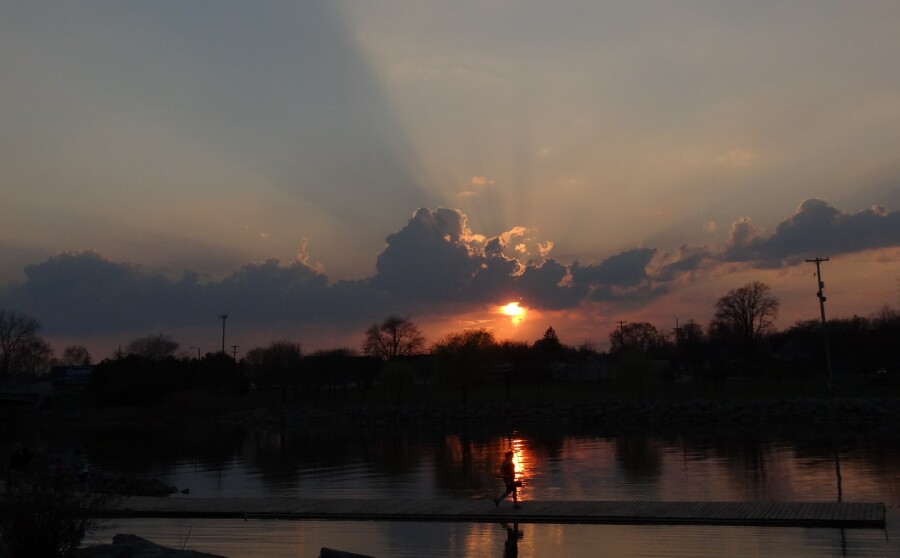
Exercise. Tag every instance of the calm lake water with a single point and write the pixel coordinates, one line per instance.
(557, 463)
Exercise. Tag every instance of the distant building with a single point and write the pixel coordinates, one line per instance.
(71, 377)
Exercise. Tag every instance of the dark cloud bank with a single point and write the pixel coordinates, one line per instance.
(433, 265)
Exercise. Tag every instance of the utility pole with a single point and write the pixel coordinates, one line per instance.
(234, 352)
(223, 317)
(621, 333)
(821, 297)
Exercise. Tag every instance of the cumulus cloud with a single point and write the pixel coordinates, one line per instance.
(627, 268)
(815, 229)
(87, 293)
(547, 285)
(434, 256)
(523, 244)
(685, 260)
(742, 235)
(623, 276)
(86, 290)
(303, 257)
(435, 263)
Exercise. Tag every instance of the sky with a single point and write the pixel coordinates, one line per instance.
(310, 168)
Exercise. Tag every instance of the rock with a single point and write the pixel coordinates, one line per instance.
(133, 546)
(130, 486)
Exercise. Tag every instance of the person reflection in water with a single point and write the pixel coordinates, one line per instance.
(513, 536)
(508, 474)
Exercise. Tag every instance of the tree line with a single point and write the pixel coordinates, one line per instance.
(740, 340)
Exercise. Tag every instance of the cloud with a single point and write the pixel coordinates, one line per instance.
(476, 183)
(303, 257)
(434, 256)
(481, 181)
(433, 265)
(437, 258)
(523, 244)
(627, 268)
(546, 286)
(623, 276)
(742, 235)
(685, 260)
(815, 229)
(85, 291)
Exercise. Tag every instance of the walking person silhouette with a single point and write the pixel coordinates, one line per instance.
(508, 474)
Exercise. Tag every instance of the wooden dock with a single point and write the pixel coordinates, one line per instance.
(786, 514)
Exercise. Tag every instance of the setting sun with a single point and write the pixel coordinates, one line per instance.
(514, 311)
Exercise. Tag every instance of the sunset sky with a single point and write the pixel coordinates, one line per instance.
(310, 168)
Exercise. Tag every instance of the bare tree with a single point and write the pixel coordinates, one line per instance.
(38, 357)
(394, 337)
(638, 336)
(690, 345)
(281, 366)
(21, 350)
(76, 355)
(745, 314)
(466, 357)
(886, 314)
(153, 347)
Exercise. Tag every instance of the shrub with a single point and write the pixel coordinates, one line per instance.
(38, 520)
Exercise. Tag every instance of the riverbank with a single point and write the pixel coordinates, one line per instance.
(869, 414)
(745, 402)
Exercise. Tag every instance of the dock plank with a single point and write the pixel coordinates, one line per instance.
(810, 514)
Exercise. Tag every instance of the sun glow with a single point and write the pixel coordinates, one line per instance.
(523, 459)
(515, 312)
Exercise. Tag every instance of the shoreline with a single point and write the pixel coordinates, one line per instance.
(870, 413)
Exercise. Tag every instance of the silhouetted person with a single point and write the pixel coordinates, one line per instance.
(513, 535)
(508, 473)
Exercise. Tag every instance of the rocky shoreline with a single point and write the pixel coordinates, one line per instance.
(133, 546)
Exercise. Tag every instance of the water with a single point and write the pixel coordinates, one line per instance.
(557, 464)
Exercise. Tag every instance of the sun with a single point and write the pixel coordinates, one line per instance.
(512, 309)
(515, 312)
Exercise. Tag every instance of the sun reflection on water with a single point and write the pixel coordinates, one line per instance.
(523, 459)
